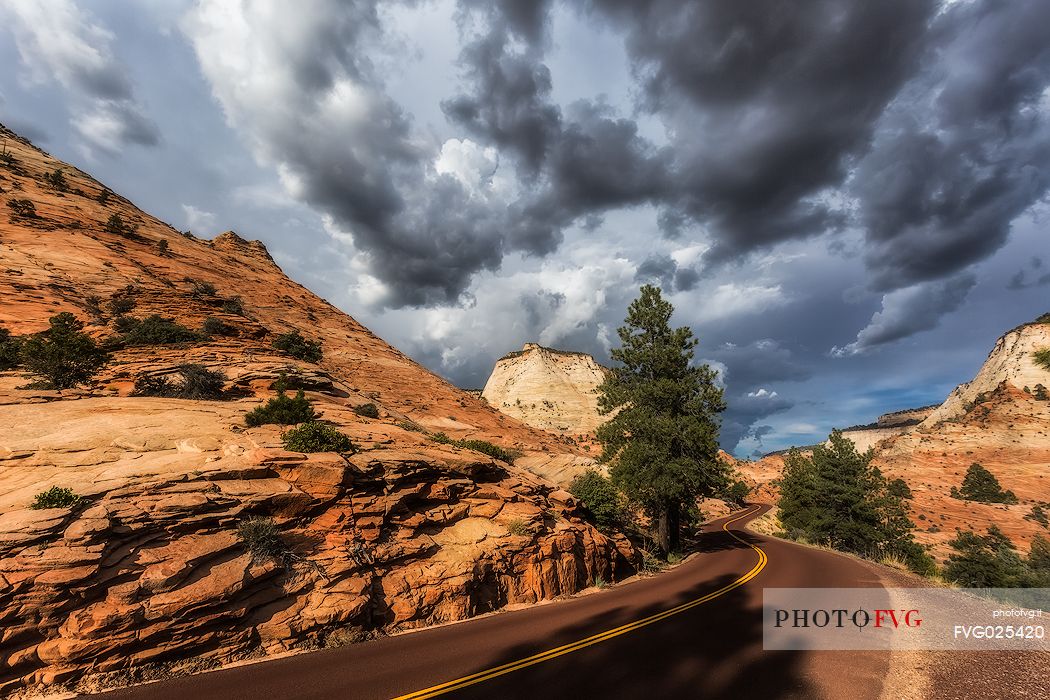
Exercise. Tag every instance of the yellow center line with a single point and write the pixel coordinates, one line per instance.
(519, 664)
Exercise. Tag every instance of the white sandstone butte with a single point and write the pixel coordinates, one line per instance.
(549, 389)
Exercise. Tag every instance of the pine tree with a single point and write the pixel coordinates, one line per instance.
(985, 561)
(63, 355)
(979, 484)
(662, 439)
(836, 497)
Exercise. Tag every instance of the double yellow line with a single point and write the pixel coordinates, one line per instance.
(488, 674)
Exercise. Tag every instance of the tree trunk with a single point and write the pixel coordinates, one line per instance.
(667, 528)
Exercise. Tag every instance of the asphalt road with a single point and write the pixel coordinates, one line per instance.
(691, 632)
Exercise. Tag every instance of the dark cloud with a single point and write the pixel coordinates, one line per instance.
(758, 364)
(964, 149)
(663, 270)
(744, 410)
(909, 311)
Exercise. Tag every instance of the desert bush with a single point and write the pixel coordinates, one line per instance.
(1042, 358)
(606, 505)
(367, 410)
(93, 305)
(517, 527)
(980, 485)
(22, 207)
(116, 225)
(196, 382)
(317, 437)
(262, 538)
(1040, 393)
(282, 410)
(162, 247)
(55, 497)
(157, 330)
(202, 291)
(411, 426)
(482, 446)
(297, 346)
(103, 196)
(56, 179)
(10, 350)
(216, 326)
(121, 303)
(64, 356)
(233, 305)
(900, 489)
(1038, 515)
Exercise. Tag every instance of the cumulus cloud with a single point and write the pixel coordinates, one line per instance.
(908, 311)
(57, 41)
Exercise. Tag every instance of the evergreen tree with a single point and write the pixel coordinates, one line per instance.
(979, 484)
(836, 497)
(985, 561)
(10, 350)
(63, 355)
(1039, 562)
(662, 439)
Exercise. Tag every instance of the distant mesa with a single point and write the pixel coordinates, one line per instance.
(554, 390)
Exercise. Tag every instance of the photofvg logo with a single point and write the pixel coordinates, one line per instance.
(906, 618)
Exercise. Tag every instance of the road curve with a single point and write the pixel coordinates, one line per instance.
(691, 632)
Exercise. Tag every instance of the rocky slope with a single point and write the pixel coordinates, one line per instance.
(887, 426)
(553, 390)
(997, 420)
(148, 567)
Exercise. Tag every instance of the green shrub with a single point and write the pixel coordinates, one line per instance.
(900, 489)
(157, 330)
(202, 291)
(367, 410)
(1038, 515)
(604, 502)
(216, 326)
(297, 346)
(988, 561)
(282, 410)
(56, 180)
(1040, 393)
(23, 208)
(1042, 358)
(482, 446)
(10, 350)
(737, 493)
(518, 527)
(55, 497)
(116, 225)
(980, 485)
(197, 383)
(121, 303)
(233, 305)
(64, 356)
(317, 437)
(104, 195)
(262, 538)
(162, 247)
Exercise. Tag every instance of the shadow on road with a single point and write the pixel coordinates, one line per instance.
(711, 651)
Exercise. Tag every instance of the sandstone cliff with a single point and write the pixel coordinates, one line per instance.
(549, 389)
(991, 420)
(148, 566)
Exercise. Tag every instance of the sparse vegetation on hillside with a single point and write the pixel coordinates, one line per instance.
(494, 451)
(980, 485)
(122, 302)
(63, 356)
(103, 196)
(155, 330)
(162, 248)
(607, 506)
(297, 346)
(197, 383)
(835, 497)
(367, 410)
(55, 497)
(737, 493)
(1042, 358)
(22, 207)
(117, 226)
(317, 437)
(662, 441)
(282, 410)
(233, 305)
(900, 489)
(56, 180)
(10, 350)
(1038, 515)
